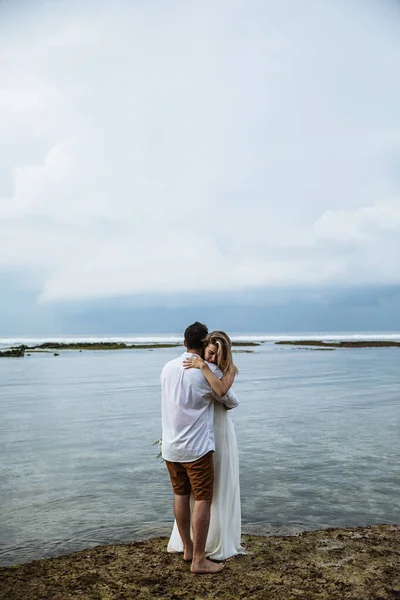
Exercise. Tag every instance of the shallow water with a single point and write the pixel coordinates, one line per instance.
(318, 435)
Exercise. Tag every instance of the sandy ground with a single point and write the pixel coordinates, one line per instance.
(360, 563)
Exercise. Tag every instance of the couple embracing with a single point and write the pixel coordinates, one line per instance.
(200, 450)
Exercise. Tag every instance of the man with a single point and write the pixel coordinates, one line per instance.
(188, 445)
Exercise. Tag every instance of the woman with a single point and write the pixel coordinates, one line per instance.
(223, 540)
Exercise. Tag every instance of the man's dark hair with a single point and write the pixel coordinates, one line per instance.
(195, 335)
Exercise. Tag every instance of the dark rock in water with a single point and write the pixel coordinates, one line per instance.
(315, 349)
(246, 344)
(17, 352)
(56, 354)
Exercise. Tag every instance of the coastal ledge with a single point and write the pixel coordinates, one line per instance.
(238, 346)
(16, 352)
(357, 563)
(19, 351)
(343, 344)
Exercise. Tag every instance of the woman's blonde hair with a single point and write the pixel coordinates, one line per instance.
(224, 350)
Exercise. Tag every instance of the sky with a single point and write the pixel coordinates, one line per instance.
(234, 161)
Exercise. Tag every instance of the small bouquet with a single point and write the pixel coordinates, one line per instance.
(159, 444)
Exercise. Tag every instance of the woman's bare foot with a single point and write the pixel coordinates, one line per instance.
(205, 566)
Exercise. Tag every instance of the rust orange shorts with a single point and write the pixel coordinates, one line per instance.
(196, 477)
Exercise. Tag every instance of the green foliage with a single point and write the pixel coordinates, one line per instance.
(159, 444)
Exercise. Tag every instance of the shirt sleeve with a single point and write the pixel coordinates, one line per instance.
(230, 399)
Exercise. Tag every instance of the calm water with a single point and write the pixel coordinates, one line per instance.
(318, 434)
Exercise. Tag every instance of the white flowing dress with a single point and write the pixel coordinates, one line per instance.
(224, 534)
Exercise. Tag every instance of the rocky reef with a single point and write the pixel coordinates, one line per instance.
(18, 351)
(344, 344)
(80, 346)
(238, 346)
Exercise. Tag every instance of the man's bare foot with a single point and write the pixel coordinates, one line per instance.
(188, 553)
(205, 566)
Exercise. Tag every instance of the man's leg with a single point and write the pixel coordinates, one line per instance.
(201, 521)
(182, 489)
(201, 476)
(182, 516)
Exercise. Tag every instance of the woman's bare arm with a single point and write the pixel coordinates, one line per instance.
(220, 386)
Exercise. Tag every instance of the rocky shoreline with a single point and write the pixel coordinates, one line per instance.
(357, 563)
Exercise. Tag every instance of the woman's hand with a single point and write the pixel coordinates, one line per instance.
(194, 362)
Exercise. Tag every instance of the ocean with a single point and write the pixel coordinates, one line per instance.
(318, 434)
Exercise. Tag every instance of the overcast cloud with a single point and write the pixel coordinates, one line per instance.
(215, 146)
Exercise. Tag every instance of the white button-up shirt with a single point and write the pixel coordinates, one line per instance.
(188, 411)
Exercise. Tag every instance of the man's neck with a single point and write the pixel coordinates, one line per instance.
(194, 351)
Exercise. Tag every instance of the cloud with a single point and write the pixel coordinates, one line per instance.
(215, 147)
